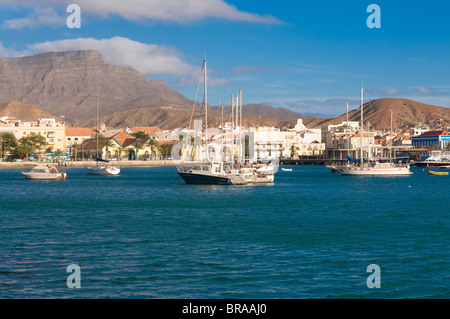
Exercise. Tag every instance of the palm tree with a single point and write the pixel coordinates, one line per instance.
(122, 149)
(166, 150)
(58, 153)
(138, 146)
(75, 147)
(108, 144)
(153, 145)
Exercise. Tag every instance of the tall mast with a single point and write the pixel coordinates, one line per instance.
(237, 129)
(348, 137)
(241, 151)
(232, 130)
(390, 144)
(98, 127)
(362, 126)
(206, 111)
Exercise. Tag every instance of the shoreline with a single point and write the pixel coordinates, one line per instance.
(81, 164)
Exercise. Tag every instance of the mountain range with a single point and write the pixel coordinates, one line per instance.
(405, 114)
(67, 84)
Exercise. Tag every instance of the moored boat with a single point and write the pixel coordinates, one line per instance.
(437, 158)
(210, 174)
(44, 172)
(437, 173)
(360, 167)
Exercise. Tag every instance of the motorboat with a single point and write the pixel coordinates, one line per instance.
(45, 172)
(437, 173)
(437, 158)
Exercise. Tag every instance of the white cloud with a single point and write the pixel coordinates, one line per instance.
(179, 11)
(150, 59)
(40, 16)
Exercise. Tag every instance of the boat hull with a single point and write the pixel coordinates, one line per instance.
(431, 164)
(103, 170)
(204, 179)
(437, 173)
(44, 176)
(372, 171)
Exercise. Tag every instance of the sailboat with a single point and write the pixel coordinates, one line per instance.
(209, 172)
(102, 169)
(360, 168)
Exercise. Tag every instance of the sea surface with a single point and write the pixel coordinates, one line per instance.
(146, 234)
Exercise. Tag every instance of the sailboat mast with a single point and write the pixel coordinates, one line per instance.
(241, 151)
(232, 130)
(206, 111)
(98, 128)
(362, 126)
(348, 135)
(390, 139)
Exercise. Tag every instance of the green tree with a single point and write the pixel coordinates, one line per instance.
(153, 145)
(140, 135)
(138, 146)
(8, 143)
(166, 150)
(58, 154)
(25, 147)
(39, 142)
(122, 150)
(108, 144)
(75, 148)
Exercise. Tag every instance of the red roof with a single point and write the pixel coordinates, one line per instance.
(435, 133)
(78, 131)
(121, 137)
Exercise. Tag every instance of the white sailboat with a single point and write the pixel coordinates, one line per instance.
(360, 168)
(209, 172)
(102, 169)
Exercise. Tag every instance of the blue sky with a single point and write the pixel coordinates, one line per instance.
(308, 56)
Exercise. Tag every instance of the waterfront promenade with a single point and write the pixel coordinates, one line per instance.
(29, 164)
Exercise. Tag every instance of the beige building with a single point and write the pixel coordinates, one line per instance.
(54, 133)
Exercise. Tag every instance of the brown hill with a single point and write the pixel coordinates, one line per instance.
(264, 111)
(174, 117)
(23, 112)
(67, 83)
(405, 114)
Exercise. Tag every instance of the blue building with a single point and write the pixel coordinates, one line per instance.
(439, 139)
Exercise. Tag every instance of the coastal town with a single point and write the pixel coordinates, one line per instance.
(59, 142)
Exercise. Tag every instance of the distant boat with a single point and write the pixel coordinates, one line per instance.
(103, 169)
(45, 172)
(286, 169)
(359, 167)
(437, 158)
(437, 173)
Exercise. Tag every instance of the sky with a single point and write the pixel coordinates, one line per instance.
(308, 56)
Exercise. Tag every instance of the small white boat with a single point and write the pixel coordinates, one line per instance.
(45, 172)
(286, 169)
(103, 170)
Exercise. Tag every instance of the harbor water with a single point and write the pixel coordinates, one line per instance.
(147, 234)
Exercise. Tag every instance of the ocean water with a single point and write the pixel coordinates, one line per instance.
(146, 234)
